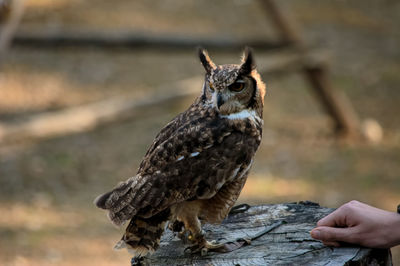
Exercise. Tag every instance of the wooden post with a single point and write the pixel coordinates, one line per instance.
(288, 244)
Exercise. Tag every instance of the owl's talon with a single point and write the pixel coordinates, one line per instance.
(204, 246)
(188, 237)
(213, 245)
(194, 249)
(188, 250)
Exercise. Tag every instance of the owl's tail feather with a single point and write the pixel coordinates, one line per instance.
(122, 202)
(143, 235)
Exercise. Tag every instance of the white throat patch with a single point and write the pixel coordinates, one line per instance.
(244, 114)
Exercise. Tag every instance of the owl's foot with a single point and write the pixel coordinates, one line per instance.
(202, 246)
(188, 237)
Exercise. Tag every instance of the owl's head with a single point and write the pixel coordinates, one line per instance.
(233, 88)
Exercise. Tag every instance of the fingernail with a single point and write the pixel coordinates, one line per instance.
(316, 234)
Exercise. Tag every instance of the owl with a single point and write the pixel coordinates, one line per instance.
(197, 165)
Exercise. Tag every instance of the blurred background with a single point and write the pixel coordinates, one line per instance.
(50, 173)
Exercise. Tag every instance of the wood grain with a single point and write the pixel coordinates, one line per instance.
(289, 244)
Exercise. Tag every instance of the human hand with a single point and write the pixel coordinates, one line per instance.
(359, 223)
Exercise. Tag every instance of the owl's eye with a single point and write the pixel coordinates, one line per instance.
(237, 86)
(210, 85)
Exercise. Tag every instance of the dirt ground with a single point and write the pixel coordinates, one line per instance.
(47, 186)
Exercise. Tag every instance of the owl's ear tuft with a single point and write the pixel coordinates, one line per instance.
(248, 63)
(205, 60)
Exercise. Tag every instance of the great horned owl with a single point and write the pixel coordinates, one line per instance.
(197, 165)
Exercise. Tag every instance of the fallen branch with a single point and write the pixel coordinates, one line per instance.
(136, 40)
(86, 117)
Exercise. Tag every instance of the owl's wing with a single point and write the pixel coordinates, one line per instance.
(192, 163)
(190, 114)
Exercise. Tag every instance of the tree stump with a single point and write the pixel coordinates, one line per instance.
(288, 244)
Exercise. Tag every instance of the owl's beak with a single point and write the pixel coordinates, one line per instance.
(220, 101)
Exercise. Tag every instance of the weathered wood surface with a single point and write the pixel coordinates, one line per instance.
(289, 244)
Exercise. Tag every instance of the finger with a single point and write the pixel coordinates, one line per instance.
(326, 243)
(336, 218)
(331, 243)
(332, 234)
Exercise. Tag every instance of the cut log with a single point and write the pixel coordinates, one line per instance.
(288, 244)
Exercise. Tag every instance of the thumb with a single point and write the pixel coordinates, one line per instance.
(332, 234)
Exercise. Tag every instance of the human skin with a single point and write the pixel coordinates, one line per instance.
(358, 223)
